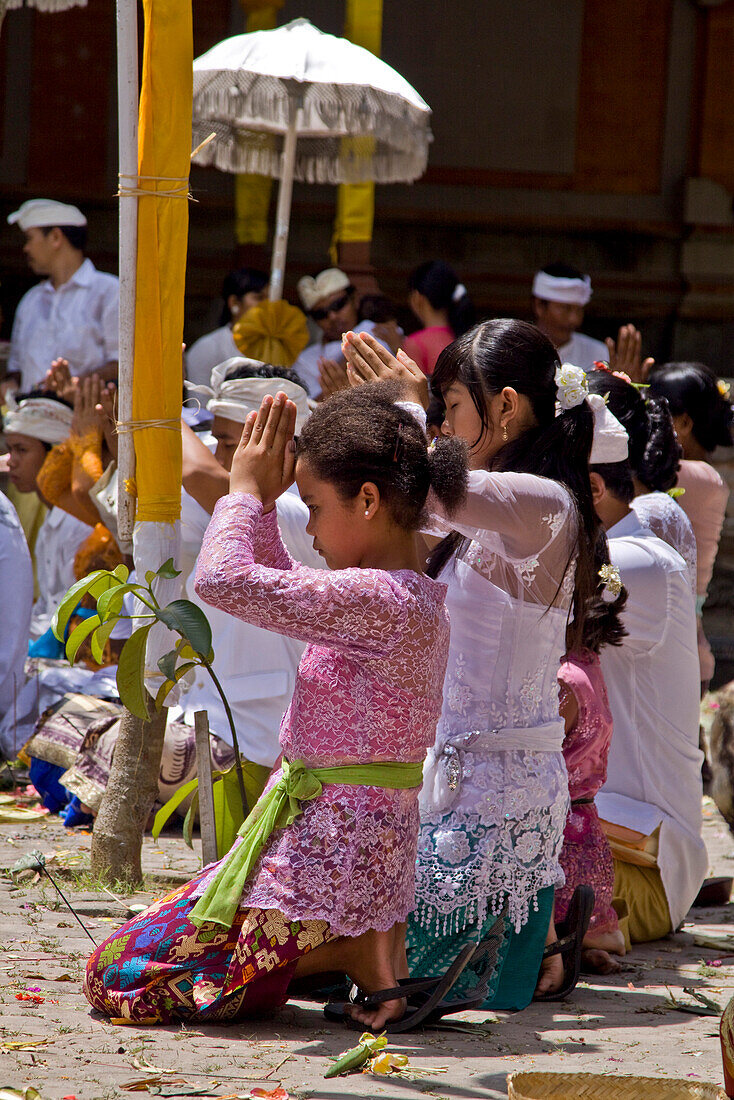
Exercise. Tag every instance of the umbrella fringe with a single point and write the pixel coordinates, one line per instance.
(399, 132)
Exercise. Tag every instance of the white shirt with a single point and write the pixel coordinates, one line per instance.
(306, 365)
(16, 592)
(207, 353)
(77, 321)
(59, 538)
(654, 771)
(583, 351)
(256, 667)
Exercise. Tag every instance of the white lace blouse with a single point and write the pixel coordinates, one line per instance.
(659, 514)
(495, 795)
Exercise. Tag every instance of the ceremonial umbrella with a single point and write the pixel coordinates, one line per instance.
(295, 103)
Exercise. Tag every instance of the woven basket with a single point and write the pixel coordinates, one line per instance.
(594, 1086)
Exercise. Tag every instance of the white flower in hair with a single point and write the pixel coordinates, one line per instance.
(571, 385)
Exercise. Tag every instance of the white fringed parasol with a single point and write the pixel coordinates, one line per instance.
(282, 103)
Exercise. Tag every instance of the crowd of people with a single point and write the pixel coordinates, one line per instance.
(455, 580)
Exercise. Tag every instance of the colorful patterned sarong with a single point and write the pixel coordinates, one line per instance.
(159, 967)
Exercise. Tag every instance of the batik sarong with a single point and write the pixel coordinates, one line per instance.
(159, 967)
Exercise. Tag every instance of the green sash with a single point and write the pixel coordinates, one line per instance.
(276, 810)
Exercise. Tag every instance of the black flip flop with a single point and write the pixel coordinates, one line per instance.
(484, 963)
(571, 932)
(425, 998)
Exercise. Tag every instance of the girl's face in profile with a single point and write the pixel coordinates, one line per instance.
(463, 421)
(333, 522)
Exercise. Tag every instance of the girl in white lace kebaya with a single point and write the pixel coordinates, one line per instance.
(519, 564)
(321, 877)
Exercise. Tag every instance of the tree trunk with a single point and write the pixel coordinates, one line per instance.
(117, 838)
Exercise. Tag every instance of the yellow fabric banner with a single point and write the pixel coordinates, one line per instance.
(164, 150)
(251, 192)
(355, 204)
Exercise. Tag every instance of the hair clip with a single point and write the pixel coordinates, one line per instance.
(399, 442)
(609, 574)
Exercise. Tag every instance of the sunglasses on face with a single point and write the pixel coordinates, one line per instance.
(335, 307)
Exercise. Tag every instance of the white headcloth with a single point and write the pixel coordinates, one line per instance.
(323, 285)
(40, 418)
(234, 398)
(574, 292)
(611, 442)
(41, 213)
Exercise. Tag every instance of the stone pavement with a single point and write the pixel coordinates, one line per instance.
(619, 1024)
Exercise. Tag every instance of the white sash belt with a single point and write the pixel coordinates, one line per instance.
(443, 769)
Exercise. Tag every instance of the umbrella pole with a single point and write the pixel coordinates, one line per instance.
(283, 212)
(127, 113)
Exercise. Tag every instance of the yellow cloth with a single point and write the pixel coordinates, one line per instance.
(641, 888)
(31, 513)
(164, 151)
(251, 192)
(273, 332)
(355, 204)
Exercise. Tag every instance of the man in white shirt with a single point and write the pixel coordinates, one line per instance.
(652, 795)
(74, 313)
(31, 428)
(16, 585)
(560, 295)
(331, 302)
(257, 668)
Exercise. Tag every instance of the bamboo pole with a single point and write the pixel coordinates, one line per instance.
(283, 212)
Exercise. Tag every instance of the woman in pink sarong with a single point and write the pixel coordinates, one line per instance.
(586, 857)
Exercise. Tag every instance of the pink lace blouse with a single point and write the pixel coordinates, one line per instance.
(368, 688)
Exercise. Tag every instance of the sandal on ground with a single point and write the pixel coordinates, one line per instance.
(319, 987)
(483, 963)
(425, 999)
(571, 932)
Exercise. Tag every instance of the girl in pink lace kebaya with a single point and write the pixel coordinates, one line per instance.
(321, 877)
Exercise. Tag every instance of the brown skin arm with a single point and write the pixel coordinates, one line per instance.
(203, 478)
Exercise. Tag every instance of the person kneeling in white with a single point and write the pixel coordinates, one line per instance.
(651, 801)
(32, 427)
(256, 667)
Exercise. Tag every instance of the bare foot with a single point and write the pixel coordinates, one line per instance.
(610, 942)
(596, 961)
(368, 961)
(376, 966)
(551, 974)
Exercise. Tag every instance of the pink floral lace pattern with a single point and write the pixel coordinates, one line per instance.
(586, 856)
(369, 688)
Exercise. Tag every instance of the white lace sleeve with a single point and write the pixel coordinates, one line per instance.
(523, 530)
(659, 514)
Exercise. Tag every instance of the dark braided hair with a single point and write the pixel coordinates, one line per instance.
(693, 388)
(362, 435)
(654, 451)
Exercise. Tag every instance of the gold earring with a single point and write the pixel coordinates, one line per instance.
(504, 433)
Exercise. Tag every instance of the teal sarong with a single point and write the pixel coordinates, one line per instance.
(277, 809)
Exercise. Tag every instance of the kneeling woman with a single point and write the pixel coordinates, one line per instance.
(322, 874)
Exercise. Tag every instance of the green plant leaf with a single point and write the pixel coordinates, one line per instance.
(168, 571)
(79, 634)
(187, 619)
(183, 669)
(121, 572)
(131, 673)
(93, 585)
(162, 692)
(100, 638)
(167, 664)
